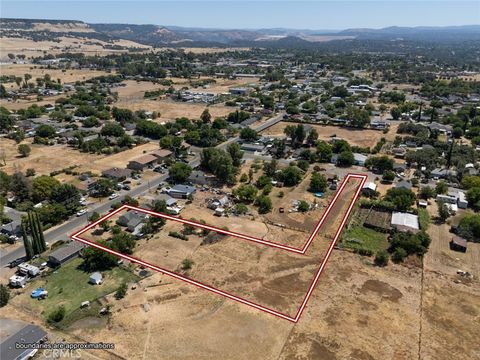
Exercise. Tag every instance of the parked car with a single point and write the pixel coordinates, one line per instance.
(113, 196)
(81, 212)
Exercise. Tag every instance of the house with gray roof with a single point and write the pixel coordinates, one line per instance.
(21, 333)
(132, 220)
(180, 191)
(65, 253)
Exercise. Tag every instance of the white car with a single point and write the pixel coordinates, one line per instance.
(113, 196)
(82, 212)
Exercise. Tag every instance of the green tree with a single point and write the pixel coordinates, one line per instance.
(388, 176)
(264, 204)
(187, 264)
(112, 129)
(121, 291)
(426, 192)
(324, 151)
(291, 175)
(43, 187)
(206, 117)
(402, 198)
(441, 187)
(24, 150)
(443, 211)
(303, 206)
(248, 134)
(345, 159)
(179, 172)
(473, 197)
(27, 244)
(45, 131)
(318, 183)
(235, 153)
(379, 163)
(469, 227)
(97, 260)
(57, 315)
(245, 193)
(4, 295)
(399, 255)
(312, 137)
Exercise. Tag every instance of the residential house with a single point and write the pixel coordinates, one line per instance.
(65, 253)
(22, 334)
(359, 159)
(256, 147)
(168, 199)
(133, 221)
(14, 227)
(404, 185)
(443, 173)
(181, 191)
(142, 162)
(199, 177)
(117, 174)
(161, 154)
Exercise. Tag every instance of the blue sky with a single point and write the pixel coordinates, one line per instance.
(313, 14)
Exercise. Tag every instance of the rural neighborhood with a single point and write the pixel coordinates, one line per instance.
(180, 193)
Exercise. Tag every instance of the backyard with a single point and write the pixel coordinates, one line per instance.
(63, 291)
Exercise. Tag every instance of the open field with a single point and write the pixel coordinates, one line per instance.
(66, 76)
(277, 279)
(45, 159)
(170, 110)
(357, 137)
(31, 48)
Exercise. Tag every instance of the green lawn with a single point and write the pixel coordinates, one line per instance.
(359, 237)
(68, 286)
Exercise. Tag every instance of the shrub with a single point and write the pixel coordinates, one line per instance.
(187, 264)
(121, 291)
(57, 315)
(399, 254)
(177, 235)
(381, 258)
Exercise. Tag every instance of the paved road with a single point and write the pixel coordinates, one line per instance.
(63, 231)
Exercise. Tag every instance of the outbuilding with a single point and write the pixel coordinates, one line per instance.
(96, 278)
(458, 244)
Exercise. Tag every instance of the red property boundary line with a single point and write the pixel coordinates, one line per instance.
(302, 250)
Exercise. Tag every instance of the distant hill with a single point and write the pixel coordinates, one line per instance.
(156, 35)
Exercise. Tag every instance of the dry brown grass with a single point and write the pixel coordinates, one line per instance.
(357, 137)
(31, 48)
(45, 159)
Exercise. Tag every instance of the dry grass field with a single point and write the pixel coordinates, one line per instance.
(131, 96)
(357, 137)
(31, 48)
(45, 159)
(170, 110)
(66, 76)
